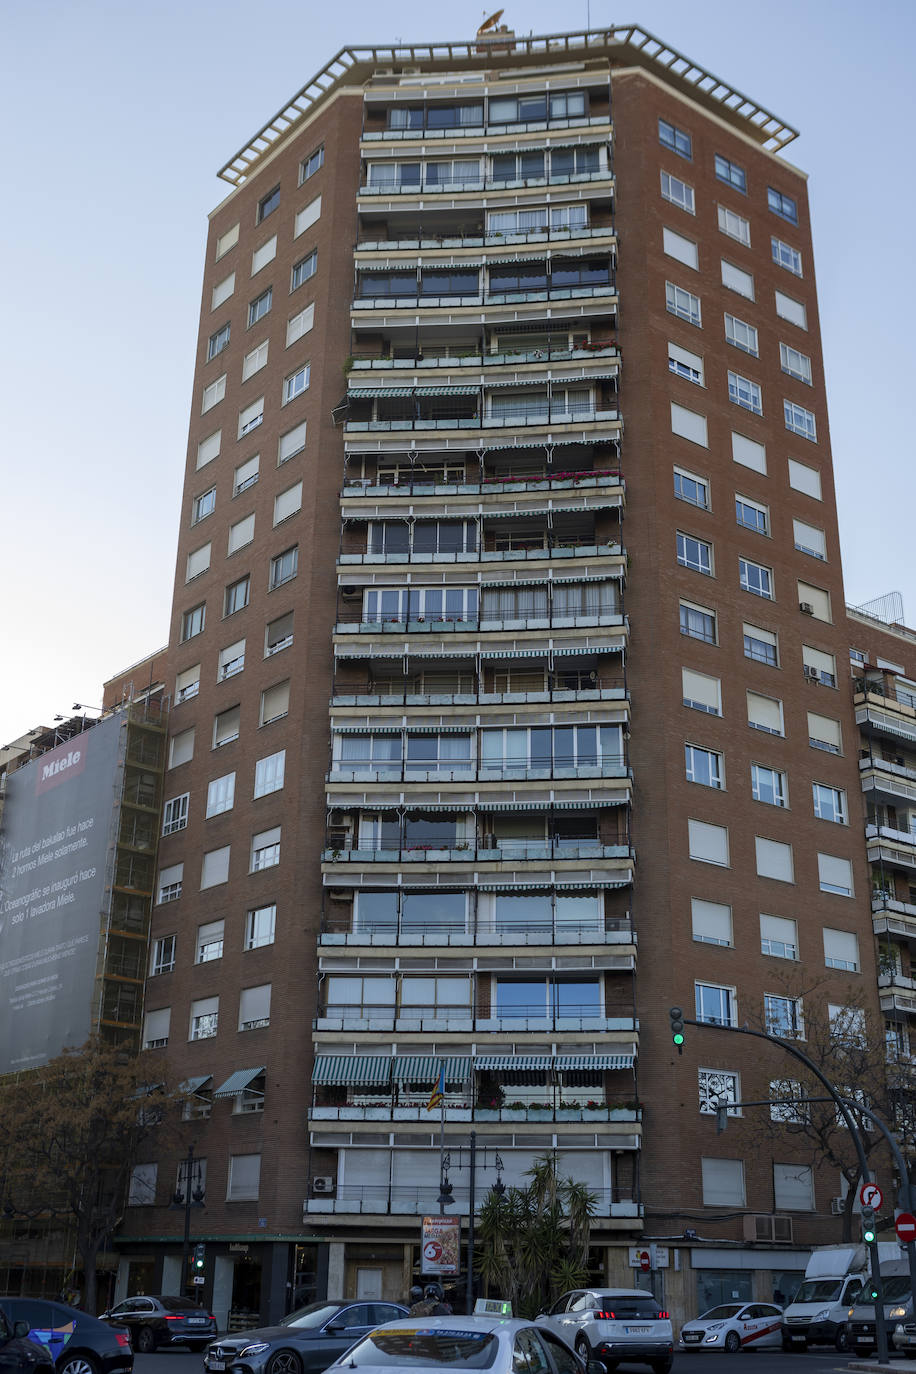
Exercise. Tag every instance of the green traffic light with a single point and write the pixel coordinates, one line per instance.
(678, 1039)
(868, 1237)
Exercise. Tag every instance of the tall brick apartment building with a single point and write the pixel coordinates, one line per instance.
(509, 669)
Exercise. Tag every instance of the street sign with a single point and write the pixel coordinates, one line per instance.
(645, 1261)
(905, 1226)
(199, 1279)
(870, 1195)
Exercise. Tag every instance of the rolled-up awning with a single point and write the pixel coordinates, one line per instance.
(569, 1063)
(526, 1063)
(366, 393)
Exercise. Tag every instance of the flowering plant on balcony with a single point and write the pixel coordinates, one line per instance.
(571, 1106)
(593, 1106)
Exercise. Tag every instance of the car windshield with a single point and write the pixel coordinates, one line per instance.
(819, 1290)
(315, 1314)
(620, 1305)
(418, 1345)
(896, 1287)
(180, 1305)
(721, 1314)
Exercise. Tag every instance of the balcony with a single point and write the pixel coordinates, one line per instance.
(599, 1113)
(888, 779)
(425, 133)
(609, 766)
(521, 551)
(423, 239)
(890, 917)
(896, 848)
(507, 851)
(497, 488)
(540, 357)
(348, 692)
(465, 1020)
(479, 185)
(479, 299)
(455, 625)
(413, 1202)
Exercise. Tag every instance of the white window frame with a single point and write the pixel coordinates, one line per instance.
(831, 807)
(254, 360)
(742, 391)
(220, 795)
(175, 814)
(677, 192)
(684, 621)
(712, 774)
(685, 364)
(702, 561)
(769, 785)
(162, 955)
(211, 939)
(741, 335)
(784, 255)
(761, 522)
(734, 225)
(255, 917)
(684, 304)
(795, 363)
(296, 383)
(755, 657)
(756, 579)
(784, 1016)
(269, 774)
(800, 421)
(684, 476)
(775, 945)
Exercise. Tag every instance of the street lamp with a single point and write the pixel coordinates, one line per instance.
(189, 1174)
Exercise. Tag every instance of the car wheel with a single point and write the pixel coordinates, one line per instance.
(732, 1342)
(841, 1340)
(662, 1366)
(284, 1362)
(146, 1340)
(582, 1349)
(78, 1364)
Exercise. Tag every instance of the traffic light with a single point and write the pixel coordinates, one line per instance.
(721, 1113)
(677, 1027)
(868, 1225)
(200, 1255)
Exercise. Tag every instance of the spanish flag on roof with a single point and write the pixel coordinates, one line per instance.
(437, 1096)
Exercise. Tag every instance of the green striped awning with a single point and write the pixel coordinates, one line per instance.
(423, 391)
(194, 1085)
(237, 1082)
(366, 393)
(597, 882)
(526, 1063)
(536, 651)
(370, 1069)
(568, 1063)
(416, 1068)
(608, 646)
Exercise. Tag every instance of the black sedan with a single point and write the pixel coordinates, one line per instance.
(302, 1343)
(163, 1321)
(74, 1341)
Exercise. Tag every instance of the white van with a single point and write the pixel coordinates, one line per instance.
(834, 1276)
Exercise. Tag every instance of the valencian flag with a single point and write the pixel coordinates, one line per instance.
(437, 1096)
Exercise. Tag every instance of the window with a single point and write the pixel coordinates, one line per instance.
(208, 449)
(170, 880)
(774, 860)
(800, 421)
(263, 255)
(237, 595)
(741, 335)
(737, 280)
(847, 1024)
(794, 363)
(292, 442)
(703, 766)
(187, 684)
(743, 392)
(791, 310)
(192, 622)
(204, 1018)
(736, 226)
(685, 364)
(786, 256)
(792, 1111)
(251, 416)
(755, 578)
(694, 553)
(246, 474)
(156, 1028)
(765, 714)
(221, 795)
(782, 205)
(678, 192)
(268, 773)
(749, 454)
(209, 942)
(689, 425)
(810, 540)
(689, 487)
(265, 849)
(783, 1016)
(751, 515)
(311, 164)
(222, 291)
(227, 241)
(306, 267)
(731, 173)
(181, 747)
(274, 703)
(213, 394)
(682, 303)
(715, 1005)
(284, 566)
(244, 1178)
(287, 503)
(162, 957)
(698, 622)
(714, 1085)
(241, 533)
(231, 660)
(674, 138)
(260, 926)
(805, 479)
(841, 950)
(307, 216)
(723, 1182)
(203, 505)
(296, 383)
(254, 361)
(215, 867)
(824, 733)
(818, 666)
(267, 204)
(778, 937)
(793, 1188)
(685, 251)
(226, 726)
(829, 803)
(707, 843)
(278, 634)
(254, 1009)
(761, 645)
(300, 324)
(175, 814)
(768, 785)
(701, 692)
(218, 341)
(259, 307)
(711, 922)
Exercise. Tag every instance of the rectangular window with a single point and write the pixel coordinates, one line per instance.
(670, 136)
(824, 733)
(307, 216)
(723, 1182)
(218, 342)
(204, 1018)
(227, 241)
(241, 533)
(834, 875)
(800, 421)
(684, 250)
(711, 922)
(685, 364)
(765, 714)
(786, 256)
(805, 479)
(267, 204)
(208, 449)
(300, 324)
(689, 425)
(162, 957)
(789, 309)
(768, 785)
(244, 1179)
(698, 622)
(193, 621)
(778, 937)
(741, 335)
(794, 363)
(774, 860)
(743, 392)
(715, 1005)
(678, 193)
(737, 280)
(181, 747)
(688, 487)
(213, 394)
(209, 942)
(716, 1087)
(736, 226)
(701, 692)
(268, 773)
(260, 926)
(287, 503)
(694, 553)
(203, 505)
(682, 303)
(782, 205)
(221, 795)
(156, 1028)
(251, 416)
(263, 255)
(254, 361)
(749, 453)
(278, 634)
(296, 383)
(291, 443)
(259, 307)
(809, 539)
(222, 291)
(707, 843)
(170, 880)
(306, 267)
(731, 173)
(187, 684)
(829, 803)
(274, 703)
(703, 766)
(755, 578)
(751, 515)
(175, 814)
(311, 164)
(215, 867)
(237, 595)
(783, 1017)
(284, 566)
(761, 645)
(246, 474)
(793, 1188)
(254, 1008)
(819, 666)
(265, 849)
(226, 725)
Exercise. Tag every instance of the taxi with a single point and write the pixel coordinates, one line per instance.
(734, 1326)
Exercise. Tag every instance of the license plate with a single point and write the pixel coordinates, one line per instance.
(863, 1340)
(197, 1321)
(691, 1336)
(637, 1330)
(216, 1364)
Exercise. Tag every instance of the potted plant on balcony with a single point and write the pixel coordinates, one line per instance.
(489, 1101)
(569, 1111)
(540, 1111)
(596, 1109)
(513, 1111)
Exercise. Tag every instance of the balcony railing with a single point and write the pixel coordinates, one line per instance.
(511, 358)
(611, 766)
(496, 485)
(386, 624)
(455, 185)
(496, 852)
(420, 1020)
(483, 298)
(600, 1113)
(413, 1202)
(425, 239)
(479, 130)
(615, 930)
(348, 693)
(523, 550)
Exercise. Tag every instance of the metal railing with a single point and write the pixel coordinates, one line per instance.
(473, 926)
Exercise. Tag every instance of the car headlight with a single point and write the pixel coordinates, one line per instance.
(711, 1337)
(716, 1326)
(257, 1349)
(897, 1312)
(822, 1315)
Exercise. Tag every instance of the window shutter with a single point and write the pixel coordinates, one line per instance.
(793, 1188)
(230, 654)
(676, 246)
(251, 416)
(803, 478)
(702, 690)
(215, 867)
(291, 442)
(689, 425)
(254, 1005)
(208, 448)
(222, 291)
(774, 860)
(841, 946)
(300, 324)
(709, 843)
(227, 241)
(156, 1025)
(835, 874)
(244, 1178)
(723, 1182)
(818, 660)
(263, 255)
(247, 471)
(824, 729)
(737, 280)
(173, 874)
(780, 929)
(307, 217)
(688, 359)
(287, 503)
(186, 679)
(787, 308)
(274, 702)
(764, 712)
(711, 921)
(226, 725)
(182, 748)
(749, 453)
(809, 538)
(198, 562)
(241, 533)
(817, 599)
(254, 361)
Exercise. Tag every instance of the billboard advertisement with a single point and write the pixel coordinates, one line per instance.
(57, 834)
(440, 1245)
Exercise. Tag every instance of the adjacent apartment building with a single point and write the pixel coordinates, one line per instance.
(510, 688)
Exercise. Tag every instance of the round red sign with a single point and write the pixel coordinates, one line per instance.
(644, 1261)
(905, 1226)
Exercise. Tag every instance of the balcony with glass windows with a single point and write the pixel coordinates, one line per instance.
(438, 350)
(888, 783)
(885, 707)
(586, 220)
(399, 116)
(472, 171)
(890, 836)
(523, 1007)
(579, 674)
(488, 538)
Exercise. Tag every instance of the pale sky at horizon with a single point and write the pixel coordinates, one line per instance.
(117, 119)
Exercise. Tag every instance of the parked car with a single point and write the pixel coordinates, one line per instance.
(611, 1324)
(502, 1345)
(861, 1325)
(308, 1339)
(76, 1342)
(162, 1321)
(19, 1355)
(734, 1326)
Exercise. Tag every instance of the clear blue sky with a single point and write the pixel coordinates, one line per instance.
(116, 117)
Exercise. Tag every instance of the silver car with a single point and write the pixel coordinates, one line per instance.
(613, 1324)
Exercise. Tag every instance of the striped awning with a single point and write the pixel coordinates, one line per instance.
(237, 1082)
(438, 730)
(370, 1069)
(366, 393)
(595, 883)
(568, 1063)
(447, 390)
(367, 730)
(540, 651)
(194, 1085)
(526, 1063)
(608, 646)
(415, 1068)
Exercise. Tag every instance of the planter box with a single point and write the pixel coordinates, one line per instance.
(486, 1114)
(540, 1113)
(376, 1113)
(512, 1114)
(407, 1114)
(570, 1113)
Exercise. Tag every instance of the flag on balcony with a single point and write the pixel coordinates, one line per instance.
(437, 1096)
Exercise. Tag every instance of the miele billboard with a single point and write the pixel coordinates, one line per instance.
(58, 833)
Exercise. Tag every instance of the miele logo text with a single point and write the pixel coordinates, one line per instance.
(62, 763)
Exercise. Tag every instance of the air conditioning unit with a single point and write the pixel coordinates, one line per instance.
(837, 1206)
(810, 673)
(351, 591)
(763, 1226)
(324, 1183)
(806, 608)
(340, 894)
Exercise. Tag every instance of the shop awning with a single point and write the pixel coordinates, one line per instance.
(415, 1068)
(237, 1082)
(529, 1063)
(370, 1069)
(568, 1063)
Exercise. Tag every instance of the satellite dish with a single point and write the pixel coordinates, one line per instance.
(491, 22)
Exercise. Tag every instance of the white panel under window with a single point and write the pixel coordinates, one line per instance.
(156, 1026)
(809, 539)
(287, 503)
(841, 949)
(241, 533)
(208, 448)
(793, 1188)
(787, 308)
(254, 1007)
(737, 280)
(291, 442)
(806, 479)
(246, 474)
(198, 562)
(215, 867)
(274, 702)
(765, 713)
(774, 860)
(711, 921)
(227, 241)
(702, 692)
(708, 843)
(749, 453)
(300, 324)
(254, 361)
(263, 255)
(222, 291)
(818, 600)
(182, 747)
(691, 362)
(825, 731)
(723, 1183)
(676, 246)
(213, 394)
(244, 1178)
(307, 217)
(834, 874)
(689, 425)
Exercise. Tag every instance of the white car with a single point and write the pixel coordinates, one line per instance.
(436, 1345)
(611, 1324)
(734, 1326)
